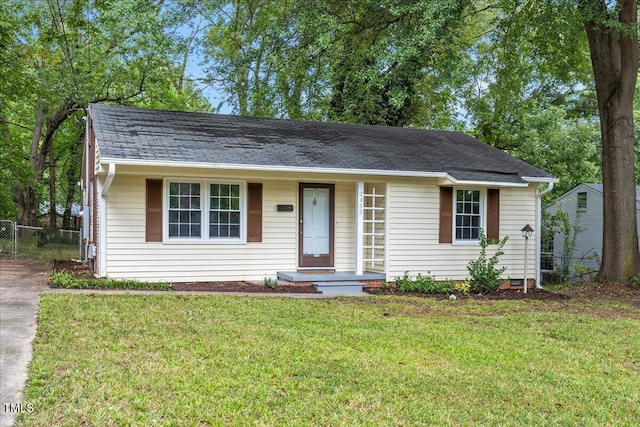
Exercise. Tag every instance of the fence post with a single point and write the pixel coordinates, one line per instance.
(15, 240)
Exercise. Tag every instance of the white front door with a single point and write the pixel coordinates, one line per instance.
(316, 218)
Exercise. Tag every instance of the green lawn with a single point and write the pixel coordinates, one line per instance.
(217, 360)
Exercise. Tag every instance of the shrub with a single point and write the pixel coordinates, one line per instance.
(270, 283)
(423, 283)
(485, 277)
(463, 287)
(61, 279)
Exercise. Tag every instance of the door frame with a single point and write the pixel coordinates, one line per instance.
(310, 261)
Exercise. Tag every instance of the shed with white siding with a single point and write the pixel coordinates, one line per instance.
(176, 196)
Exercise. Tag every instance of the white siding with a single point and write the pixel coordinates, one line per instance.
(413, 213)
(412, 217)
(130, 256)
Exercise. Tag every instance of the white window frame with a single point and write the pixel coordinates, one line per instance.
(483, 214)
(205, 201)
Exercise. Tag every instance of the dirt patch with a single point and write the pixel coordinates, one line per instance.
(74, 268)
(502, 294)
(613, 291)
(24, 271)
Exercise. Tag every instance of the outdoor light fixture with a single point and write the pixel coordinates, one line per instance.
(527, 232)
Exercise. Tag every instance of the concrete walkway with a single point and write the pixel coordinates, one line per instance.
(21, 283)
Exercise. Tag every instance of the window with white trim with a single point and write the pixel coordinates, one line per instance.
(185, 215)
(204, 210)
(224, 210)
(468, 208)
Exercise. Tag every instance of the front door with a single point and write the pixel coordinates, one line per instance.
(316, 225)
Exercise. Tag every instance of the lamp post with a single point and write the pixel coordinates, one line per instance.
(527, 232)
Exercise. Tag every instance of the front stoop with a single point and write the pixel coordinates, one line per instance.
(310, 277)
(339, 288)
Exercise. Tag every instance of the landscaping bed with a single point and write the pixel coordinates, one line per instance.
(500, 294)
(82, 272)
(585, 291)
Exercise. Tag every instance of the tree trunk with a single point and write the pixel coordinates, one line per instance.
(73, 176)
(26, 195)
(614, 57)
(53, 223)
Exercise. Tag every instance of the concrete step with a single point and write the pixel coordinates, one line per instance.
(339, 288)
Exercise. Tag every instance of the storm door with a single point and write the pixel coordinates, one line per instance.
(316, 225)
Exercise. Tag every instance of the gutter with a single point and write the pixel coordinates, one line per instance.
(539, 233)
(447, 177)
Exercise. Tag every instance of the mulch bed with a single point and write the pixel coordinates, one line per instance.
(585, 291)
(80, 271)
(250, 287)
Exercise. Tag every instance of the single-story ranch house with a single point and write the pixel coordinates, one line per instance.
(178, 196)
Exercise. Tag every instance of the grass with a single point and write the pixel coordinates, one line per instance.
(221, 360)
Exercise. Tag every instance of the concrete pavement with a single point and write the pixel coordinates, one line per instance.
(21, 283)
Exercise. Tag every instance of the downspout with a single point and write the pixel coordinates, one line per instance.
(109, 180)
(86, 189)
(103, 218)
(539, 233)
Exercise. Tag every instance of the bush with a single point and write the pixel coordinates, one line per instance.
(423, 283)
(463, 287)
(485, 277)
(268, 282)
(63, 279)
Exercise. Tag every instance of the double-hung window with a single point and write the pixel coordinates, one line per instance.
(204, 210)
(468, 214)
(185, 214)
(224, 210)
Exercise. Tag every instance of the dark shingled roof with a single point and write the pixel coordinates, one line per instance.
(125, 133)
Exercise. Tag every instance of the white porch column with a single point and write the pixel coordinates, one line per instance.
(359, 227)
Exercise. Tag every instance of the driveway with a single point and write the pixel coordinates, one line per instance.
(21, 283)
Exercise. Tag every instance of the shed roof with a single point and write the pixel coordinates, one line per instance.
(134, 135)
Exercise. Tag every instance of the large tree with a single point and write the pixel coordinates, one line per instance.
(613, 40)
(75, 52)
(358, 61)
(536, 56)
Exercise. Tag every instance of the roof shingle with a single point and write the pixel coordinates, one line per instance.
(184, 137)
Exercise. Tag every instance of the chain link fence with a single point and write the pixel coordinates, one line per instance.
(7, 239)
(36, 243)
(563, 269)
